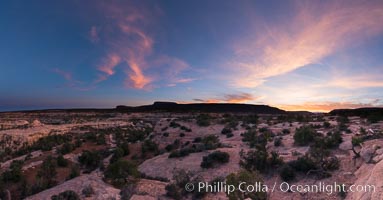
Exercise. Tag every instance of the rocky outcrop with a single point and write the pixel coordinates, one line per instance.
(368, 175)
(164, 167)
(101, 189)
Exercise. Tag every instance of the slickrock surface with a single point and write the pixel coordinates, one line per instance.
(164, 167)
(101, 189)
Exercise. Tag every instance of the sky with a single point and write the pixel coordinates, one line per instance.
(295, 55)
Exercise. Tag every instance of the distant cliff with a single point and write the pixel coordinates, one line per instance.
(203, 107)
(372, 114)
(363, 112)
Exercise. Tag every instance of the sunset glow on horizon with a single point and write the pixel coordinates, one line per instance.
(294, 55)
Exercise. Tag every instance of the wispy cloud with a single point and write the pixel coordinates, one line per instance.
(184, 80)
(109, 63)
(137, 78)
(317, 31)
(66, 75)
(130, 45)
(71, 82)
(355, 82)
(93, 35)
(230, 98)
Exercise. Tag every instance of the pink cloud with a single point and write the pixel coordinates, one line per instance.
(67, 75)
(314, 33)
(93, 34)
(184, 80)
(355, 82)
(111, 62)
(131, 45)
(230, 98)
(138, 79)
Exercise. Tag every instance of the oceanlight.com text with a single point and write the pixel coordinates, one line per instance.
(319, 187)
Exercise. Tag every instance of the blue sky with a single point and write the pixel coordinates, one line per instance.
(296, 55)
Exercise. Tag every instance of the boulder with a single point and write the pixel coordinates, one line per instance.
(367, 153)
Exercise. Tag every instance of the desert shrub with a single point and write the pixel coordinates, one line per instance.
(343, 119)
(342, 123)
(247, 177)
(74, 172)
(296, 153)
(287, 173)
(315, 126)
(331, 163)
(173, 191)
(176, 189)
(169, 147)
(254, 139)
(356, 141)
(3, 192)
(232, 124)
(100, 139)
(286, 131)
(50, 141)
(213, 158)
(137, 135)
(91, 160)
(203, 120)
(332, 140)
(61, 161)
(304, 135)
(362, 131)
(23, 189)
(197, 140)
(274, 159)
(77, 143)
(326, 124)
(149, 146)
(174, 124)
(263, 130)
(177, 143)
(14, 173)
(229, 135)
(184, 128)
(303, 164)
(259, 159)
(117, 154)
(66, 148)
(278, 141)
(249, 136)
(118, 171)
(181, 153)
(125, 147)
(66, 195)
(226, 130)
(87, 191)
(47, 172)
(211, 142)
(251, 119)
(90, 136)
